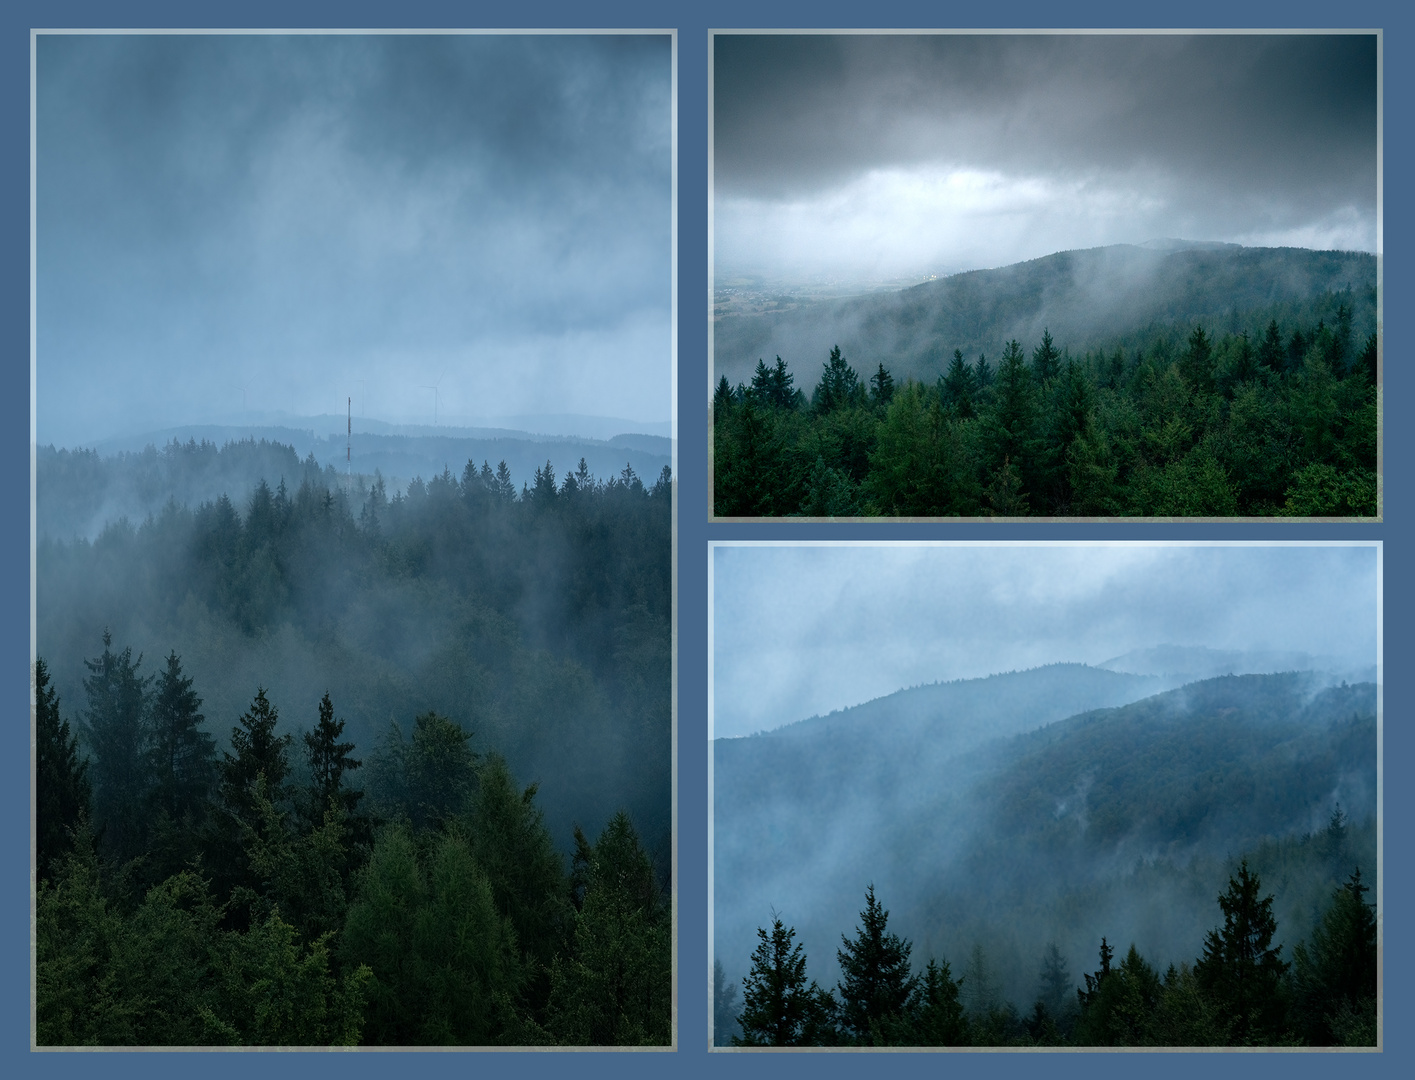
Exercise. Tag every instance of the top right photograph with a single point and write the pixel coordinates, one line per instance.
(1045, 275)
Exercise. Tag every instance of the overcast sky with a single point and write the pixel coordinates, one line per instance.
(310, 218)
(875, 156)
(801, 630)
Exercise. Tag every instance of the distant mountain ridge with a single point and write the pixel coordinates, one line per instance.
(958, 828)
(1096, 297)
(79, 492)
(1179, 664)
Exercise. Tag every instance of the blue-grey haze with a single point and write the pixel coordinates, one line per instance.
(860, 159)
(442, 227)
(801, 630)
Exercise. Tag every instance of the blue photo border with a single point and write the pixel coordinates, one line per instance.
(693, 531)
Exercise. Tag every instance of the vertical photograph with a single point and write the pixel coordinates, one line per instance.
(1046, 275)
(1012, 796)
(352, 570)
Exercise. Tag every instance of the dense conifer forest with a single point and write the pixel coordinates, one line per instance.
(1240, 990)
(382, 771)
(1267, 419)
(1012, 858)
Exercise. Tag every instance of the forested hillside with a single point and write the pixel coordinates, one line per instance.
(1253, 410)
(1122, 823)
(255, 896)
(81, 490)
(540, 621)
(1125, 296)
(329, 767)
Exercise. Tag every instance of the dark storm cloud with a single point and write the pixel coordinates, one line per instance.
(1233, 135)
(300, 214)
(803, 630)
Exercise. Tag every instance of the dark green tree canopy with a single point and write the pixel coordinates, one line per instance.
(183, 752)
(779, 1008)
(1240, 965)
(61, 778)
(1335, 977)
(839, 385)
(427, 778)
(875, 984)
(1178, 422)
(116, 730)
(329, 760)
(881, 387)
(1045, 359)
(260, 754)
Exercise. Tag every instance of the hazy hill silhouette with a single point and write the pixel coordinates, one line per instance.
(1102, 297)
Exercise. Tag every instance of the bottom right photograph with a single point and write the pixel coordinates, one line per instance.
(1045, 794)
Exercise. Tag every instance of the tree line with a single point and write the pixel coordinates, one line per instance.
(1240, 992)
(259, 896)
(545, 613)
(1273, 422)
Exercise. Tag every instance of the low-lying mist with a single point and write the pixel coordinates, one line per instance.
(539, 621)
(1100, 298)
(1058, 805)
(79, 491)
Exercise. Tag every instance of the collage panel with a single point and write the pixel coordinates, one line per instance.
(1045, 795)
(1045, 274)
(389, 758)
(336, 757)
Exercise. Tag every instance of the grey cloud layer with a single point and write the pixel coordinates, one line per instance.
(1225, 133)
(800, 631)
(319, 209)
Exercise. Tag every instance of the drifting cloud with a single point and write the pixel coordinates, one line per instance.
(233, 222)
(802, 630)
(884, 155)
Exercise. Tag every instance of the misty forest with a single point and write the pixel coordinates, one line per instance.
(1094, 860)
(1218, 393)
(322, 766)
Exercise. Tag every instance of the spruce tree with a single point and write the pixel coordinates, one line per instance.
(61, 788)
(960, 386)
(761, 384)
(1094, 982)
(183, 754)
(935, 1011)
(1270, 350)
(881, 387)
(614, 986)
(329, 760)
(510, 842)
(783, 394)
(115, 727)
(1045, 359)
(722, 398)
(1240, 968)
(1335, 978)
(839, 385)
(1369, 359)
(875, 981)
(1197, 363)
(779, 1008)
(1012, 420)
(260, 754)
(984, 374)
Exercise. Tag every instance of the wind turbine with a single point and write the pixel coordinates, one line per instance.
(242, 389)
(433, 388)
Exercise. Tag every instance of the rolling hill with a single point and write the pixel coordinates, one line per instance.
(1119, 820)
(1122, 295)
